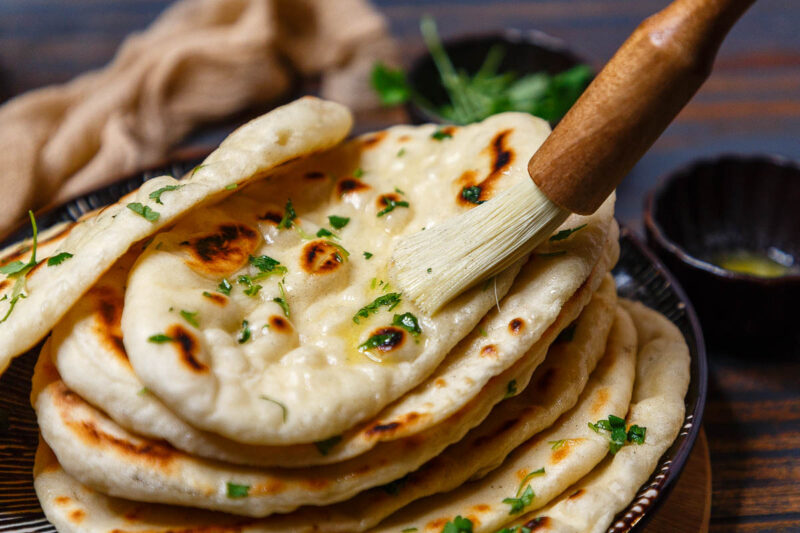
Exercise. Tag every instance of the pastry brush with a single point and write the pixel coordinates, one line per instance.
(614, 122)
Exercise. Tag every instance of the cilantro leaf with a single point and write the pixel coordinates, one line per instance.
(282, 300)
(144, 211)
(520, 503)
(390, 84)
(323, 232)
(238, 491)
(156, 195)
(338, 222)
(440, 135)
(58, 259)
(458, 525)
(556, 444)
(618, 436)
(288, 216)
(390, 300)
(472, 194)
(564, 233)
(284, 409)
(251, 288)
(401, 152)
(408, 322)
(160, 338)
(244, 334)
(267, 266)
(231, 187)
(367, 256)
(190, 317)
(391, 203)
(224, 287)
(325, 446)
(13, 267)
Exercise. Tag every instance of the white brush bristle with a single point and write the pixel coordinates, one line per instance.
(473, 246)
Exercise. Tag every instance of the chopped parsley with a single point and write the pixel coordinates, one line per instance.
(482, 332)
(323, 232)
(251, 288)
(338, 222)
(144, 391)
(472, 195)
(401, 152)
(190, 317)
(391, 204)
(441, 135)
(224, 287)
(208, 295)
(281, 300)
(267, 266)
(556, 444)
(399, 191)
(238, 491)
(429, 270)
(288, 216)
(568, 333)
(367, 255)
(618, 436)
(303, 235)
(357, 173)
(519, 503)
(284, 409)
(325, 446)
(408, 322)
(244, 333)
(58, 259)
(18, 270)
(379, 340)
(565, 233)
(231, 187)
(156, 195)
(459, 524)
(144, 211)
(160, 338)
(390, 300)
(195, 169)
(395, 486)
(511, 389)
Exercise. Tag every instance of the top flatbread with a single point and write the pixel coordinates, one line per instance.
(299, 375)
(296, 129)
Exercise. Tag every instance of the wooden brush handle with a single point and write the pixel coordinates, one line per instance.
(633, 99)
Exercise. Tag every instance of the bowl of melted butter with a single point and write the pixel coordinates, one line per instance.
(729, 229)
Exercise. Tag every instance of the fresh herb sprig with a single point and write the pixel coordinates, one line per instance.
(619, 436)
(487, 92)
(18, 270)
(390, 300)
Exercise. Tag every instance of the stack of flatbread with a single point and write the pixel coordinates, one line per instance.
(228, 352)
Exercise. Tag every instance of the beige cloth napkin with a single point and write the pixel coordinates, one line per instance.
(200, 60)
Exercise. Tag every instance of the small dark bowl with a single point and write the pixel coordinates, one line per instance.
(731, 203)
(525, 53)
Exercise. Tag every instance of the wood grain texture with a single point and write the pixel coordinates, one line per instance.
(688, 506)
(750, 104)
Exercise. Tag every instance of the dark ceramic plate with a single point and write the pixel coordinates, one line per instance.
(639, 276)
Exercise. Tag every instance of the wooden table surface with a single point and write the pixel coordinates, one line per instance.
(751, 104)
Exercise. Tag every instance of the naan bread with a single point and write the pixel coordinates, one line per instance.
(300, 376)
(557, 385)
(662, 378)
(566, 451)
(72, 428)
(88, 351)
(96, 242)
